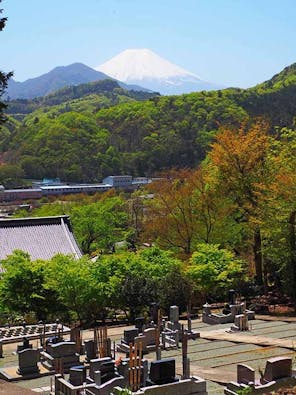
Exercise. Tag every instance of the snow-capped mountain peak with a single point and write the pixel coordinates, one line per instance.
(140, 64)
(146, 68)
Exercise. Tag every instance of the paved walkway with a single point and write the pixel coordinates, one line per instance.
(275, 318)
(241, 337)
(215, 374)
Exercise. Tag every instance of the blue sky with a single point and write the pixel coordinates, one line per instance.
(231, 42)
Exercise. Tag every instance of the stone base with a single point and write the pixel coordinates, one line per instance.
(27, 371)
(11, 374)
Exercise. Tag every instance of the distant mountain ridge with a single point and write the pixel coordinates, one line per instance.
(96, 94)
(85, 133)
(146, 68)
(59, 77)
(133, 69)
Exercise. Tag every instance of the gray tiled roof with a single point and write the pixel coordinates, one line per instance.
(42, 238)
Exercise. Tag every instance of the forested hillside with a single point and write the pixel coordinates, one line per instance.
(84, 137)
(94, 96)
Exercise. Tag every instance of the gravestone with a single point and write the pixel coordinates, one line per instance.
(63, 351)
(174, 314)
(277, 368)
(148, 339)
(150, 335)
(89, 346)
(173, 323)
(206, 308)
(162, 371)
(245, 374)
(77, 375)
(26, 344)
(95, 365)
(130, 334)
(28, 361)
(107, 370)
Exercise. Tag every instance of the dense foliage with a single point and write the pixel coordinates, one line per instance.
(242, 198)
(86, 290)
(84, 97)
(127, 282)
(85, 138)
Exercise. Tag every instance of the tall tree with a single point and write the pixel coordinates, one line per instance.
(279, 227)
(4, 77)
(172, 218)
(185, 210)
(240, 159)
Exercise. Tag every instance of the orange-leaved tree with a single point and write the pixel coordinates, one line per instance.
(185, 210)
(243, 173)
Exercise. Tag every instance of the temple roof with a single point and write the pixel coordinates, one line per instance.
(41, 237)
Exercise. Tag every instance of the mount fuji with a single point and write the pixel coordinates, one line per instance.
(146, 68)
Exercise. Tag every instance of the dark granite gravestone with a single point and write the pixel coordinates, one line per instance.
(130, 334)
(89, 346)
(28, 361)
(107, 371)
(77, 375)
(63, 351)
(162, 371)
(95, 365)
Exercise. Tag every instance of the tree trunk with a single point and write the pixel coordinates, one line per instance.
(258, 257)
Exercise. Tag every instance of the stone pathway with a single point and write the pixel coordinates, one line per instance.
(241, 337)
(275, 318)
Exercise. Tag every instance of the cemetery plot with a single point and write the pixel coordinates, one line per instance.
(212, 358)
(213, 348)
(218, 359)
(247, 357)
(270, 324)
(288, 334)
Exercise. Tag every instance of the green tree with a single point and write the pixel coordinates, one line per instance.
(75, 286)
(99, 225)
(22, 287)
(11, 176)
(279, 215)
(134, 280)
(213, 270)
(98, 221)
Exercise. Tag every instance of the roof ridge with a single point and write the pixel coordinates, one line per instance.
(66, 231)
(27, 221)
